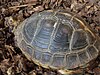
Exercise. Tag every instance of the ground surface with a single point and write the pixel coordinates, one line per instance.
(13, 12)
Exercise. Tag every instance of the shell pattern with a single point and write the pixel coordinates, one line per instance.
(57, 39)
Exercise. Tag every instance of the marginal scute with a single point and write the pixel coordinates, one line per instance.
(23, 45)
(46, 57)
(58, 61)
(30, 50)
(72, 61)
(37, 55)
(83, 57)
(18, 37)
(92, 52)
(97, 44)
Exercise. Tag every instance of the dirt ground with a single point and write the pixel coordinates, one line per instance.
(13, 12)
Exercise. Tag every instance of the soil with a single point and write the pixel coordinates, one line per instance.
(13, 12)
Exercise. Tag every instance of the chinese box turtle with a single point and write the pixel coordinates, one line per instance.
(57, 40)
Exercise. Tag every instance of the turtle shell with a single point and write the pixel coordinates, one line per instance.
(57, 39)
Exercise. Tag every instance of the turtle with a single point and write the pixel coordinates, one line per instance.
(58, 40)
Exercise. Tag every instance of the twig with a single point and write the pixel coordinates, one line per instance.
(25, 5)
